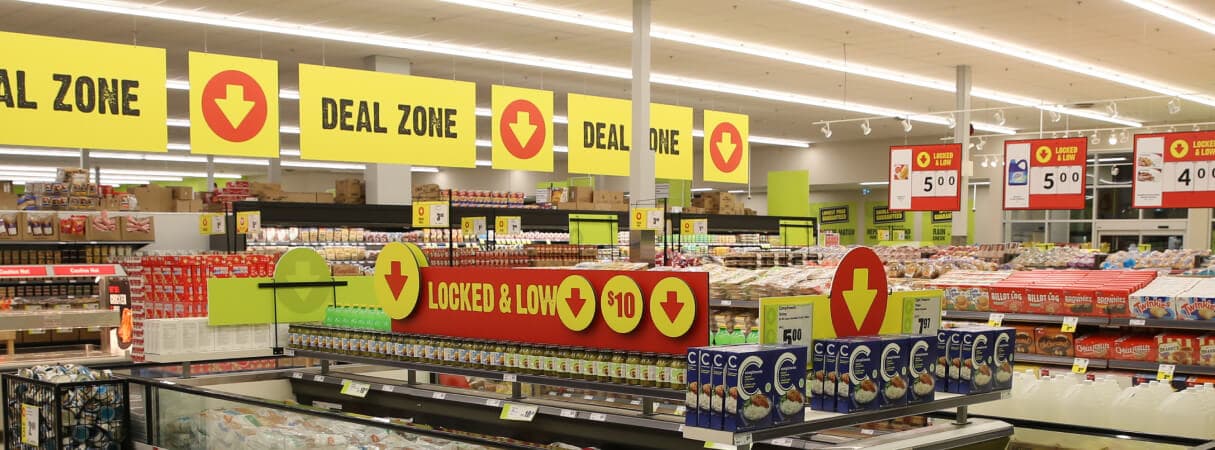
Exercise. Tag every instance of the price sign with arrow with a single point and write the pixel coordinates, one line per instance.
(926, 177)
(1174, 170)
(431, 214)
(694, 226)
(508, 226)
(1045, 173)
(472, 226)
(645, 219)
(786, 320)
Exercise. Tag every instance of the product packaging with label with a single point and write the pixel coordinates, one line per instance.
(1003, 356)
(921, 357)
(823, 376)
(692, 396)
(893, 370)
(859, 386)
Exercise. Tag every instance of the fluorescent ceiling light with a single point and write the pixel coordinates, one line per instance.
(288, 152)
(176, 146)
(874, 183)
(561, 149)
(241, 161)
(40, 152)
(484, 143)
(289, 129)
(323, 165)
(481, 53)
(920, 26)
(484, 163)
(701, 189)
(417, 169)
(1176, 14)
(1115, 159)
(182, 85)
(760, 51)
(166, 173)
(981, 183)
(736, 191)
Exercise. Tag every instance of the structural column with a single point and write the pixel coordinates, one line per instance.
(961, 135)
(274, 172)
(388, 184)
(641, 159)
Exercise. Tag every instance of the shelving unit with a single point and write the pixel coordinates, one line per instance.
(1024, 318)
(4, 243)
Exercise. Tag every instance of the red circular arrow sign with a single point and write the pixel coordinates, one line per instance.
(234, 106)
(531, 126)
(726, 133)
(859, 287)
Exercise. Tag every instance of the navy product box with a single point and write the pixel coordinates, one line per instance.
(921, 360)
(716, 388)
(892, 370)
(691, 402)
(704, 369)
(823, 375)
(1003, 354)
(763, 385)
(953, 356)
(789, 385)
(859, 386)
(942, 363)
(975, 352)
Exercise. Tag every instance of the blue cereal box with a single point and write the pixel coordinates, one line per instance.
(704, 370)
(717, 388)
(822, 375)
(940, 367)
(691, 400)
(1003, 356)
(789, 386)
(921, 361)
(892, 370)
(974, 352)
(859, 386)
(763, 385)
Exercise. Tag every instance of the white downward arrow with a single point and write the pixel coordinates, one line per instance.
(234, 106)
(523, 128)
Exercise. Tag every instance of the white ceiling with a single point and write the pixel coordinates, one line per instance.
(1108, 33)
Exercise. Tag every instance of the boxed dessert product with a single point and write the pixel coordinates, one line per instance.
(1134, 348)
(1080, 302)
(788, 372)
(858, 388)
(1177, 348)
(921, 357)
(1051, 341)
(1206, 350)
(1198, 303)
(712, 368)
(761, 385)
(40, 227)
(11, 224)
(1026, 341)
(943, 362)
(1095, 346)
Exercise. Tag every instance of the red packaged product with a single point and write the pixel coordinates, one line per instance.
(1206, 350)
(1042, 301)
(1080, 302)
(1008, 299)
(1051, 341)
(1177, 348)
(1135, 347)
(1095, 346)
(1026, 340)
(1113, 302)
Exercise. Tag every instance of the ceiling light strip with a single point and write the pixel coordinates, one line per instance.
(1175, 13)
(309, 31)
(921, 26)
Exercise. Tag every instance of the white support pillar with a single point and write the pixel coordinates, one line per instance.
(210, 173)
(1198, 229)
(84, 159)
(961, 135)
(641, 159)
(388, 184)
(274, 172)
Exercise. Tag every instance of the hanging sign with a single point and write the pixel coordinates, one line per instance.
(926, 177)
(522, 129)
(211, 223)
(661, 312)
(671, 141)
(234, 107)
(248, 222)
(58, 92)
(1045, 173)
(1175, 170)
(508, 226)
(600, 137)
(376, 117)
(645, 219)
(431, 214)
(727, 155)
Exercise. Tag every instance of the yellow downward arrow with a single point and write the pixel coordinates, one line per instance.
(860, 297)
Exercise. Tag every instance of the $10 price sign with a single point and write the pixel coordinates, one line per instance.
(926, 177)
(1175, 170)
(1045, 173)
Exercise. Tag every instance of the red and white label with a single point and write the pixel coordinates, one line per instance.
(1175, 170)
(23, 271)
(83, 270)
(926, 177)
(1045, 173)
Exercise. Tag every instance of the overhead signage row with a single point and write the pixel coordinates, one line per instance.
(1174, 170)
(926, 177)
(1045, 173)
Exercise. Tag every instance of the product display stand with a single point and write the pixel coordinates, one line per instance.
(274, 286)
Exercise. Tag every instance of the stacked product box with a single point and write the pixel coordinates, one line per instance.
(968, 290)
(745, 387)
(1061, 292)
(873, 372)
(1175, 298)
(978, 358)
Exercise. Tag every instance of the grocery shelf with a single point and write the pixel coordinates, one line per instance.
(58, 318)
(1201, 325)
(315, 244)
(666, 394)
(1148, 366)
(752, 304)
(221, 355)
(1030, 358)
(5, 243)
(822, 420)
(1023, 318)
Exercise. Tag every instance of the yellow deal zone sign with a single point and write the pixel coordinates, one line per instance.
(600, 137)
(68, 93)
(377, 117)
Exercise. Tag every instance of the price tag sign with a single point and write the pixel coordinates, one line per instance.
(1137, 322)
(493, 402)
(355, 388)
(508, 226)
(509, 377)
(694, 226)
(297, 375)
(248, 222)
(439, 396)
(921, 311)
(1165, 372)
(472, 226)
(211, 223)
(598, 417)
(30, 421)
(518, 412)
(788, 320)
(569, 413)
(1174, 170)
(1045, 173)
(430, 215)
(995, 319)
(782, 442)
(1069, 324)
(389, 388)
(1080, 365)
(645, 219)
(318, 379)
(926, 177)
(883, 235)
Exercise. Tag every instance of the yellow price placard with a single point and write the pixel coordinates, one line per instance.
(431, 214)
(694, 226)
(1080, 365)
(622, 303)
(212, 223)
(1165, 372)
(248, 222)
(58, 92)
(472, 226)
(508, 226)
(1069, 324)
(883, 235)
(377, 117)
(995, 319)
(645, 219)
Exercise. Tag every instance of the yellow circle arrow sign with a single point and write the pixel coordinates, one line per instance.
(672, 307)
(397, 280)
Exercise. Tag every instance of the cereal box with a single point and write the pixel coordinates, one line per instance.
(823, 354)
(974, 352)
(1003, 356)
(892, 370)
(691, 401)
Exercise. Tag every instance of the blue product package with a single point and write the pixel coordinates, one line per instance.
(859, 386)
(921, 356)
(954, 359)
(823, 376)
(1003, 356)
(691, 400)
(746, 387)
(1018, 172)
(789, 385)
(940, 367)
(717, 388)
(975, 374)
(704, 377)
(892, 370)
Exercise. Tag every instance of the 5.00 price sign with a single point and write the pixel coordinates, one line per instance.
(1175, 170)
(1045, 173)
(926, 177)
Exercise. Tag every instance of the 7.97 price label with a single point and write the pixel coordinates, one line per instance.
(1045, 173)
(1175, 170)
(926, 177)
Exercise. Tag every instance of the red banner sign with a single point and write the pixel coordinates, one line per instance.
(661, 312)
(926, 177)
(23, 271)
(84, 270)
(1045, 173)
(1175, 170)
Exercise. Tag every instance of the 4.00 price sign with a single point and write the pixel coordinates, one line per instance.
(1175, 170)
(926, 177)
(1045, 173)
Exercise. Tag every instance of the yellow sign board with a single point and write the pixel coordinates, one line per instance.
(233, 106)
(508, 226)
(472, 226)
(431, 215)
(212, 223)
(248, 222)
(58, 92)
(905, 313)
(376, 117)
(645, 219)
(395, 279)
(522, 129)
(727, 154)
(671, 141)
(694, 226)
(600, 137)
